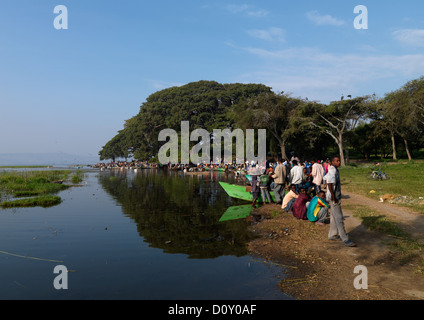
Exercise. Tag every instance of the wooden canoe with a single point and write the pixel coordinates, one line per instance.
(241, 192)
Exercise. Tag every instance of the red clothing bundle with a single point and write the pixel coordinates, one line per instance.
(299, 207)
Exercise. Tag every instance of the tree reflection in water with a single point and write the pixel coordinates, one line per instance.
(179, 213)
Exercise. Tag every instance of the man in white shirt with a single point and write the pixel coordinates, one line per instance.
(296, 176)
(317, 175)
(334, 196)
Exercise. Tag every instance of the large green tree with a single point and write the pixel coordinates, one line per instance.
(415, 92)
(205, 104)
(403, 113)
(337, 118)
(271, 111)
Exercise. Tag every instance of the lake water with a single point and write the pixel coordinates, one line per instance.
(124, 235)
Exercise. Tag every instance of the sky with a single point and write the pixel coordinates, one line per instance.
(71, 90)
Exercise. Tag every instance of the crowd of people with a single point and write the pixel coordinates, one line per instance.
(309, 191)
(124, 165)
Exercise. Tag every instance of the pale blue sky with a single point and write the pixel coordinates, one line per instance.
(71, 90)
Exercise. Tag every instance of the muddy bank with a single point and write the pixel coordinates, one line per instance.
(320, 269)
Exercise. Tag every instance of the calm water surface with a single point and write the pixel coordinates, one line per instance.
(126, 235)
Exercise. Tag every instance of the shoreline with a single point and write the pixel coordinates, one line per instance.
(320, 269)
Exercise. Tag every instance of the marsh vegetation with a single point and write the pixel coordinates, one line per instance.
(35, 188)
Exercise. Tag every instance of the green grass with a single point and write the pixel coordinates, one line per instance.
(378, 222)
(23, 167)
(41, 183)
(78, 176)
(42, 201)
(31, 183)
(411, 251)
(406, 180)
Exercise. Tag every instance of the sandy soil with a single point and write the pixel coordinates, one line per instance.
(320, 269)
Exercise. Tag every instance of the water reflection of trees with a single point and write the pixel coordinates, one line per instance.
(179, 214)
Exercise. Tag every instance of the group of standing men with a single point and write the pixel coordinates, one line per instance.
(292, 176)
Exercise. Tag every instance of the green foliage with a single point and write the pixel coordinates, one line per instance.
(42, 201)
(406, 180)
(364, 125)
(37, 184)
(78, 176)
(271, 111)
(367, 139)
(205, 104)
(402, 112)
(336, 119)
(33, 182)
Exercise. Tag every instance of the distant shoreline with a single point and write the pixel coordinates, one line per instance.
(43, 166)
(23, 167)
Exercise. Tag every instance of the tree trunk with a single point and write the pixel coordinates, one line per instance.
(342, 158)
(341, 154)
(347, 154)
(283, 150)
(407, 149)
(394, 146)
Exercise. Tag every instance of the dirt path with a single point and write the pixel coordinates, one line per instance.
(320, 269)
(411, 221)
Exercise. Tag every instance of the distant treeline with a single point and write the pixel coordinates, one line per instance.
(366, 125)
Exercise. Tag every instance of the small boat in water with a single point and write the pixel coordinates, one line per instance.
(242, 192)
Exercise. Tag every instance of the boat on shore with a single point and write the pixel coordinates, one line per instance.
(242, 192)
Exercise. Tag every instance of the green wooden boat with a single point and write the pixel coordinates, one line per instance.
(239, 192)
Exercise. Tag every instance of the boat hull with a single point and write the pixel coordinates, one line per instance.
(239, 192)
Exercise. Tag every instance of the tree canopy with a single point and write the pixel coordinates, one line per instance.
(364, 125)
(205, 104)
(271, 111)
